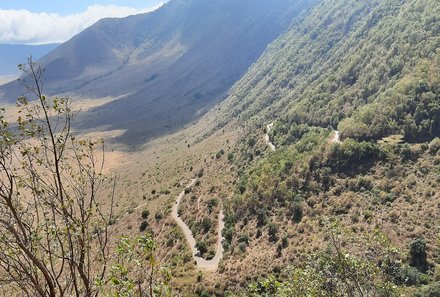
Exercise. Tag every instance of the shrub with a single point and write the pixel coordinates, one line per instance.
(170, 242)
(252, 141)
(205, 294)
(143, 226)
(259, 233)
(409, 276)
(201, 247)
(244, 238)
(364, 183)
(206, 224)
(228, 234)
(242, 188)
(279, 250)
(434, 146)
(158, 216)
(242, 246)
(297, 212)
(285, 242)
(211, 204)
(433, 290)
(145, 214)
(418, 254)
(261, 217)
(165, 191)
(352, 154)
(273, 232)
(210, 255)
(112, 221)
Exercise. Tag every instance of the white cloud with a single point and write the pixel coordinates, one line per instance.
(25, 27)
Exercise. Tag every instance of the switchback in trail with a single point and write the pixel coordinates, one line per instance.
(208, 265)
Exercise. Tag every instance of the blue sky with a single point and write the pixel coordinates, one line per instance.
(67, 7)
(56, 21)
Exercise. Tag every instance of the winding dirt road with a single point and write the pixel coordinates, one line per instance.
(208, 265)
(267, 138)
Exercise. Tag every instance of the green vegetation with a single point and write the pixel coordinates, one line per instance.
(372, 65)
(136, 270)
(369, 69)
(351, 178)
(410, 108)
(418, 255)
(336, 272)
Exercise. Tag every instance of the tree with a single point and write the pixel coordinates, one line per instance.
(53, 224)
(418, 255)
(273, 232)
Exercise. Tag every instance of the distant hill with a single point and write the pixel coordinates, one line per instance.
(13, 54)
(170, 66)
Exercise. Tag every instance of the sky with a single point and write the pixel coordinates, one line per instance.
(56, 21)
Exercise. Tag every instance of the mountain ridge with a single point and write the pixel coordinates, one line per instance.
(169, 66)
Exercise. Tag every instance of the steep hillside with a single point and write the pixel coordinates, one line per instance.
(13, 54)
(371, 70)
(170, 66)
(344, 55)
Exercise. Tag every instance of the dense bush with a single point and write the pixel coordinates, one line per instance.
(410, 108)
(206, 224)
(143, 226)
(201, 247)
(418, 254)
(352, 155)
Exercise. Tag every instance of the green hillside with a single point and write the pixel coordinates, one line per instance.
(371, 70)
(345, 55)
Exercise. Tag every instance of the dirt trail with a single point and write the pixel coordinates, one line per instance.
(267, 138)
(208, 265)
(337, 137)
